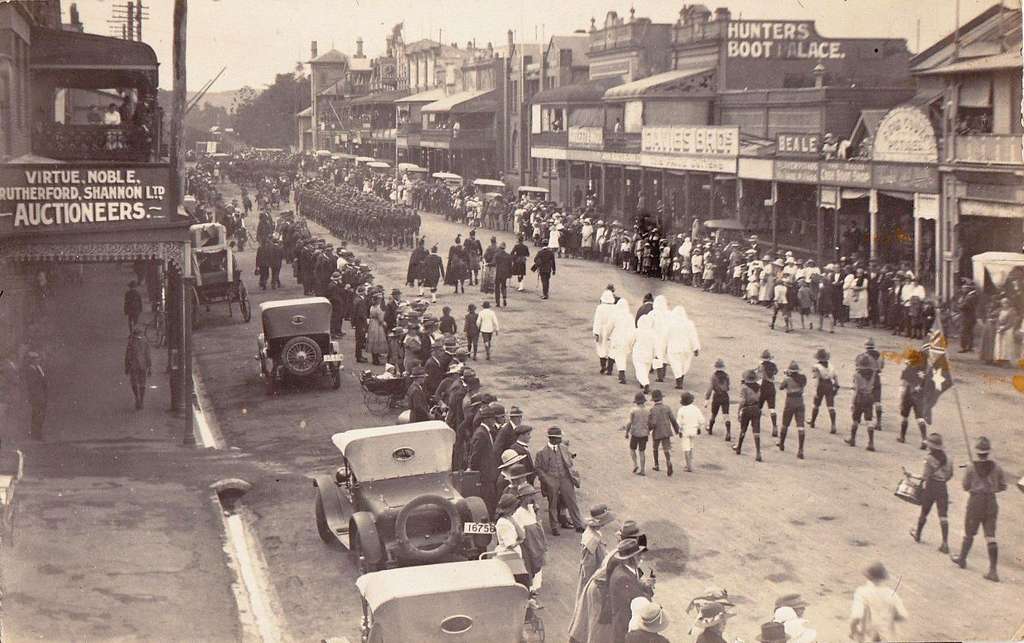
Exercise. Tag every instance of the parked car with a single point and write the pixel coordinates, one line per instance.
(462, 601)
(395, 501)
(296, 342)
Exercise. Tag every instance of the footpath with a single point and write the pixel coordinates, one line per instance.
(116, 535)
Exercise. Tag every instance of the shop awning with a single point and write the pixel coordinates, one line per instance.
(1008, 60)
(465, 103)
(428, 96)
(380, 98)
(591, 91)
(675, 82)
(89, 61)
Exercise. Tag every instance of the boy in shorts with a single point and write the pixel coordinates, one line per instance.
(863, 399)
(793, 384)
(637, 432)
(718, 394)
(690, 421)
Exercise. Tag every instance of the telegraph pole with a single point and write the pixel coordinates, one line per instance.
(177, 154)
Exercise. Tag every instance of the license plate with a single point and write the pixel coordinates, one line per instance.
(477, 528)
(333, 358)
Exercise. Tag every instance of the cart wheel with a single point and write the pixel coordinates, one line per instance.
(243, 302)
(376, 404)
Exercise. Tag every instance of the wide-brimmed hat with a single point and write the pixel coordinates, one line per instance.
(526, 490)
(599, 516)
(510, 457)
(628, 548)
(554, 432)
(713, 613)
(983, 446)
(521, 429)
(869, 343)
(772, 632)
(876, 571)
(934, 441)
(821, 354)
(507, 503)
(719, 364)
(630, 529)
(515, 411)
(793, 368)
(749, 376)
(639, 398)
(418, 371)
(766, 354)
(647, 616)
(657, 395)
(519, 470)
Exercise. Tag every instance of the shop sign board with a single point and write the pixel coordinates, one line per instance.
(586, 137)
(970, 207)
(807, 145)
(780, 40)
(796, 171)
(714, 164)
(903, 177)
(854, 175)
(702, 140)
(82, 198)
(905, 135)
(620, 158)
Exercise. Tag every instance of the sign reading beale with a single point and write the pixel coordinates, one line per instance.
(40, 198)
(779, 40)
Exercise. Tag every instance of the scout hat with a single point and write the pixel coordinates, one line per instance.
(934, 441)
(772, 632)
(766, 354)
(793, 368)
(599, 516)
(983, 446)
(510, 457)
(639, 398)
(869, 343)
(656, 395)
(749, 376)
(719, 364)
(821, 354)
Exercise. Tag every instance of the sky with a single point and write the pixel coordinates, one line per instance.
(256, 39)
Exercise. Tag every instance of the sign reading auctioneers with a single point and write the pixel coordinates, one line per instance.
(73, 198)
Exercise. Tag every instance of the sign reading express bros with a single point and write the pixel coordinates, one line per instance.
(779, 40)
(42, 198)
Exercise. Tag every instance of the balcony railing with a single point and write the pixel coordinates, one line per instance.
(697, 32)
(95, 142)
(462, 138)
(550, 139)
(617, 37)
(622, 141)
(1001, 149)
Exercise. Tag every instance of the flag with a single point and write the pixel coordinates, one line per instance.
(938, 378)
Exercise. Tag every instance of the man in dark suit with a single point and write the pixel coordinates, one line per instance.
(522, 447)
(391, 309)
(360, 321)
(419, 406)
(35, 382)
(559, 481)
(502, 273)
(507, 432)
(625, 584)
(132, 305)
(544, 265)
(481, 457)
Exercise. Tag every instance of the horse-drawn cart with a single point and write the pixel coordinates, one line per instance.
(217, 276)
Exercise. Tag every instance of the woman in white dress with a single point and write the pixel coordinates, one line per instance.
(683, 344)
(661, 314)
(621, 335)
(602, 315)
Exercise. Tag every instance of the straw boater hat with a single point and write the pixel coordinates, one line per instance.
(599, 516)
(510, 457)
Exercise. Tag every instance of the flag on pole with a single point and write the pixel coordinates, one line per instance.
(938, 378)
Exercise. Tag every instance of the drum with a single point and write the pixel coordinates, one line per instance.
(909, 489)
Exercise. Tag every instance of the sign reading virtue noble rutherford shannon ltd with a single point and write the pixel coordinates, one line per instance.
(69, 198)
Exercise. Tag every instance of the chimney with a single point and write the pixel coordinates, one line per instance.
(359, 48)
(819, 75)
(312, 50)
(722, 14)
(73, 13)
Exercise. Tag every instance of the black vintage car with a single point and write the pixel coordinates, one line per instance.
(395, 500)
(296, 342)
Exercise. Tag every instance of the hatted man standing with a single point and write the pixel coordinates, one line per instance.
(559, 481)
(544, 266)
(983, 481)
(36, 383)
(138, 365)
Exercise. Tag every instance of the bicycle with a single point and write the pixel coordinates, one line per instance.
(156, 328)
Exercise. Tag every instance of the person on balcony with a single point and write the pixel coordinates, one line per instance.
(112, 116)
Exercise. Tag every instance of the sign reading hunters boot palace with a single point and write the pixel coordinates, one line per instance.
(66, 198)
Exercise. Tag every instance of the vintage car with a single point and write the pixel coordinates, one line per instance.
(474, 600)
(395, 500)
(296, 342)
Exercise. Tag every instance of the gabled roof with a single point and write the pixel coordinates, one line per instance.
(590, 91)
(989, 26)
(331, 56)
(675, 82)
(579, 44)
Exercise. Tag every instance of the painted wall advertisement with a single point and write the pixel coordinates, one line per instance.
(700, 141)
(796, 171)
(846, 173)
(774, 39)
(905, 135)
(806, 145)
(43, 198)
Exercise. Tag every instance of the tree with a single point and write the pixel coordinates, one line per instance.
(267, 118)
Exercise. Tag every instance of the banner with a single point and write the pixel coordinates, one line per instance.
(43, 198)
